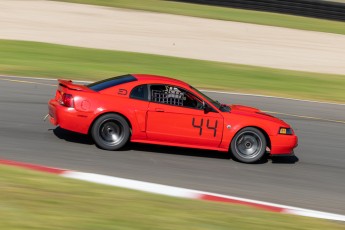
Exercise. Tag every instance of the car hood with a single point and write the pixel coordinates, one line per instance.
(239, 108)
(254, 112)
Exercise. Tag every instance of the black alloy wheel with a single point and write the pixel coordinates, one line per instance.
(248, 145)
(110, 132)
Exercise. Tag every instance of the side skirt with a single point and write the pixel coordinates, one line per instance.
(179, 145)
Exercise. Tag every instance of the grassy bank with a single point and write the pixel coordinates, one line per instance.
(222, 13)
(57, 61)
(30, 200)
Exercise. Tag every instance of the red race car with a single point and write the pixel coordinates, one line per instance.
(161, 110)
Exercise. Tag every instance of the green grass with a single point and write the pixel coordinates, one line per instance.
(58, 61)
(32, 200)
(222, 13)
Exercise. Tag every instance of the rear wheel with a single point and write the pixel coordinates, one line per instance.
(110, 132)
(248, 145)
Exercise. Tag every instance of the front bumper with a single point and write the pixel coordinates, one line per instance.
(283, 145)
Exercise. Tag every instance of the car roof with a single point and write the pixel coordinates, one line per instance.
(151, 79)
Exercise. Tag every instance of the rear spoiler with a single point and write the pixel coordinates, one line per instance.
(70, 85)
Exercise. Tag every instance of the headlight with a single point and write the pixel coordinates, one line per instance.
(286, 131)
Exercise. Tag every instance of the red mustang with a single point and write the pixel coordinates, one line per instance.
(160, 110)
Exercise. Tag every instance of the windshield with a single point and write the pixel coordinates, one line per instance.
(221, 107)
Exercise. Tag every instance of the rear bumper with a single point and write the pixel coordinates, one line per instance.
(68, 118)
(283, 145)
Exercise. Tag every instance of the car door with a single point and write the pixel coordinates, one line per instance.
(138, 105)
(176, 115)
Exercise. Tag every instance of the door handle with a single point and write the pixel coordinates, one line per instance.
(159, 110)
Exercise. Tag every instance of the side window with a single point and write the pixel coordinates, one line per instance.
(139, 92)
(176, 96)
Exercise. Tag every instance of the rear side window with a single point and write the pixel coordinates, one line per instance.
(111, 82)
(140, 92)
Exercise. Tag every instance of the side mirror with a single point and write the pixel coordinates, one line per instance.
(206, 108)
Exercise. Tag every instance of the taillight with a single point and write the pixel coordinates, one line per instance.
(67, 100)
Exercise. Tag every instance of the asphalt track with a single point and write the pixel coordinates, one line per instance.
(313, 179)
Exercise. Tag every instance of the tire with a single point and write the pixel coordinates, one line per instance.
(248, 145)
(110, 132)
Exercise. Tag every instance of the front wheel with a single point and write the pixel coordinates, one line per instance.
(110, 132)
(248, 145)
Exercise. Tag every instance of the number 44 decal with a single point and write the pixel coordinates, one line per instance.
(200, 126)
